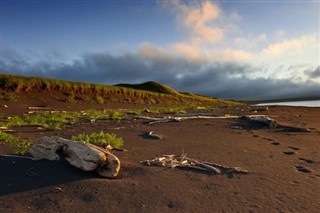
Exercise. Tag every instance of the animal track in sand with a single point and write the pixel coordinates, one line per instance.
(303, 169)
(269, 139)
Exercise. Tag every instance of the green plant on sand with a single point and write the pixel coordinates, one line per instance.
(100, 139)
(20, 146)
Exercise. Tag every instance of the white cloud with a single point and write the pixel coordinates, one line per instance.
(150, 51)
(250, 42)
(199, 20)
(291, 46)
(189, 51)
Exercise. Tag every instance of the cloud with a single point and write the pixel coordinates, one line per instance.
(199, 19)
(313, 73)
(291, 46)
(250, 42)
(189, 51)
(217, 79)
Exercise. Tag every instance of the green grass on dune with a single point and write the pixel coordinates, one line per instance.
(152, 87)
(76, 92)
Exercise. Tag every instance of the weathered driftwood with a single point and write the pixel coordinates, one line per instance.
(269, 122)
(182, 117)
(39, 108)
(155, 136)
(82, 155)
(181, 161)
(272, 124)
(5, 129)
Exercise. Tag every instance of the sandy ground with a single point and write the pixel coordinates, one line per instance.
(284, 167)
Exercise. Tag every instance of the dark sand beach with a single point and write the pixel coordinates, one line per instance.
(284, 167)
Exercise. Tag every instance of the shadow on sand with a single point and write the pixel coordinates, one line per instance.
(19, 175)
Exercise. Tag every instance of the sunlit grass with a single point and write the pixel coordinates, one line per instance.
(100, 139)
(20, 146)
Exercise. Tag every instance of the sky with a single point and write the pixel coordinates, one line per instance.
(232, 49)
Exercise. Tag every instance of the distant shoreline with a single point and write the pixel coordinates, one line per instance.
(317, 98)
(309, 103)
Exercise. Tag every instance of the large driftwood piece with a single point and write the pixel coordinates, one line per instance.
(85, 156)
(269, 122)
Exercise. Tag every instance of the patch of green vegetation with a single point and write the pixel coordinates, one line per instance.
(100, 139)
(57, 120)
(115, 115)
(71, 99)
(9, 96)
(99, 99)
(47, 120)
(20, 146)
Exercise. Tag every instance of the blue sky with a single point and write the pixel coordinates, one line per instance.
(228, 49)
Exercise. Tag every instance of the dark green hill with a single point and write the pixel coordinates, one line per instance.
(151, 86)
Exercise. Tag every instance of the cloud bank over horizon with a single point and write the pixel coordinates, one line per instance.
(214, 58)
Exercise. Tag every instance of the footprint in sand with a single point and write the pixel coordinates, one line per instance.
(268, 139)
(275, 143)
(303, 169)
(294, 148)
(307, 160)
(289, 153)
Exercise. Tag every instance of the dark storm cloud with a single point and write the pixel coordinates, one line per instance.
(315, 73)
(223, 80)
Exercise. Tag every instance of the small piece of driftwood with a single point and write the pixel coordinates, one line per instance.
(151, 134)
(82, 155)
(181, 161)
(39, 108)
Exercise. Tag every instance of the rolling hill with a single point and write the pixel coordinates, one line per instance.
(14, 86)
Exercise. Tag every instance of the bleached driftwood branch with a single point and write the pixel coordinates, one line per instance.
(155, 136)
(181, 161)
(82, 155)
(39, 108)
(165, 119)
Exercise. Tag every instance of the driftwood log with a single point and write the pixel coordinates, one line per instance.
(82, 155)
(269, 122)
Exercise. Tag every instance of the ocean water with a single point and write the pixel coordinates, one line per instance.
(314, 103)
